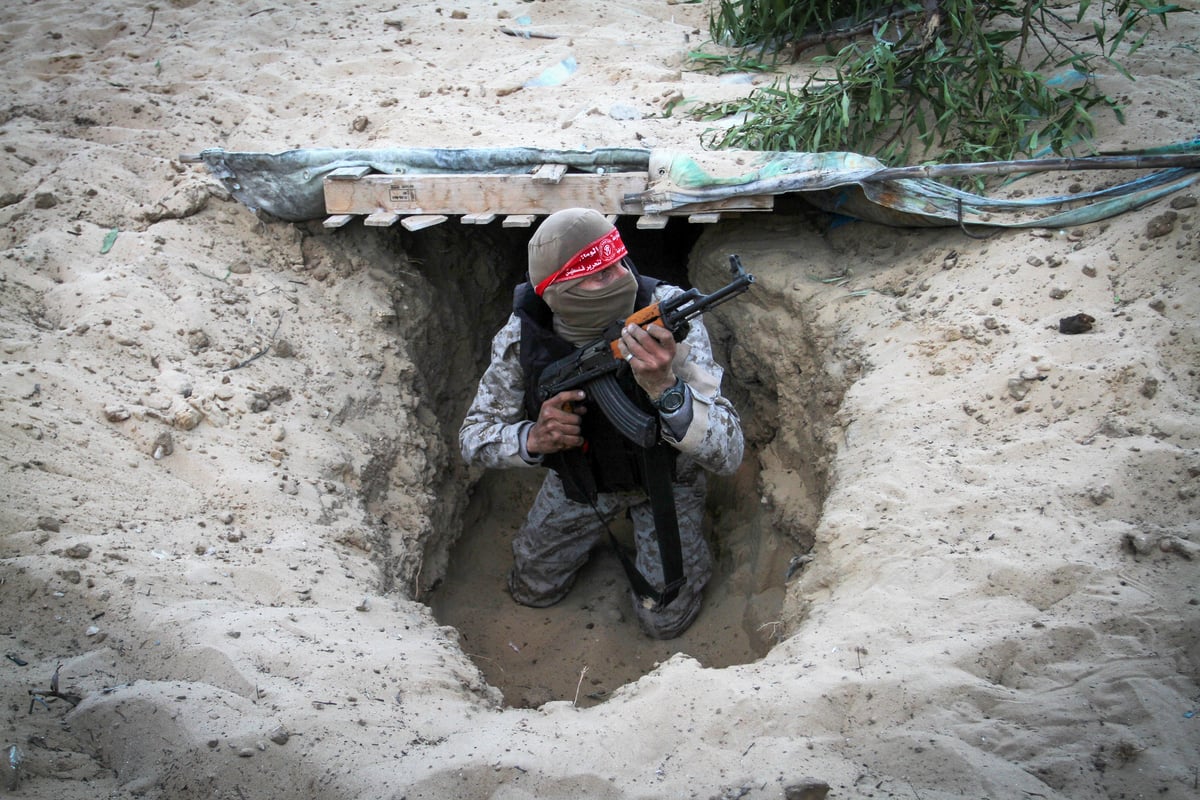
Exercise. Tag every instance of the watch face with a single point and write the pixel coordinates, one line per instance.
(672, 399)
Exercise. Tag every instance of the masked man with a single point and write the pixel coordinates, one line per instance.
(581, 280)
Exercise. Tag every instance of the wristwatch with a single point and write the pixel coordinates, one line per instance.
(671, 400)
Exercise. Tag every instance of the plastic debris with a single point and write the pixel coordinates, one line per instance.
(553, 76)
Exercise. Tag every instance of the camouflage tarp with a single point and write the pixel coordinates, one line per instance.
(289, 185)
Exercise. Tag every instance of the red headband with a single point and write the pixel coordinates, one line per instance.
(593, 258)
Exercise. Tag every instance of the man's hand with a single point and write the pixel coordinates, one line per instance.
(557, 427)
(652, 349)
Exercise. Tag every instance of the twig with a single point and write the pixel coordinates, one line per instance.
(153, 11)
(798, 46)
(582, 672)
(528, 34)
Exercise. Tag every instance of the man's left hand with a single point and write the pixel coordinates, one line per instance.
(652, 349)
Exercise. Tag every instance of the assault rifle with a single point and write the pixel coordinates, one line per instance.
(595, 366)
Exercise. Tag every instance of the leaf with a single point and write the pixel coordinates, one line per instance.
(109, 240)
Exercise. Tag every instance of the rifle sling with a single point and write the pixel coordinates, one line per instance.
(656, 471)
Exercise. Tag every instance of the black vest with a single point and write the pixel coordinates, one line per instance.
(607, 462)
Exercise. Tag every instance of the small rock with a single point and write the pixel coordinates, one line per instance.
(80, 551)
(1018, 388)
(246, 752)
(197, 341)
(45, 200)
(279, 735)
(1141, 543)
(48, 524)
(1059, 292)
(116, 413)
(1183, 201)
(806, 789)
(1079, 323)
(163, 445)
(1149, 387)
(1161, 225)
(188, 418)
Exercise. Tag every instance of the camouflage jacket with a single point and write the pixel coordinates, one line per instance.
(491, 433)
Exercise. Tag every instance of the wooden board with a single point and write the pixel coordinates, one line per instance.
(523, 194)
(421, 221)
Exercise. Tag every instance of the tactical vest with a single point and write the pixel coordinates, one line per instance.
(607, 462)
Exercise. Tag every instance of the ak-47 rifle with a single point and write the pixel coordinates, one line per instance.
(595, 366)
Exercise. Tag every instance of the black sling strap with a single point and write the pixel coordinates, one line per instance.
(656, 472)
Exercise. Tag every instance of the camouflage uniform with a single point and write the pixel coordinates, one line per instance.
(558, 535)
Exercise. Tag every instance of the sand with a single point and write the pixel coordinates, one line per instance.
(237, 536)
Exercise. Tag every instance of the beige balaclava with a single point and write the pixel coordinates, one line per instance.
(567, 247)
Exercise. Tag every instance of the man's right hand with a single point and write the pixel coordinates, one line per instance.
(558, 424)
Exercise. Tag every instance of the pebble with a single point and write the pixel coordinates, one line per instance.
(80, 551)
(806, 789)
(115, 413)
(1018, 388)
(1161, 225)
(188, 418)
(1183, 201)
(163, 445)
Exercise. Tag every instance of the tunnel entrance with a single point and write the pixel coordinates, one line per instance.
(589, 644)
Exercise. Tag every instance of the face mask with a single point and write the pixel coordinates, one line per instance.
(581, 315)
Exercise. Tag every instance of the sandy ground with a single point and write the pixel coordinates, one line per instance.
(237, 538)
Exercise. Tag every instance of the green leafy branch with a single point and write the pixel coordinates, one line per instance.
(958, 80)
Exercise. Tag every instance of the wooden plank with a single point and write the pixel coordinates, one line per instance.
(422, 221)
(381, 219)
(757, 202)
(549, 173)
(482, 194)
(337, 220)
(492, 194)
(518, 220)
(477, 219)
(652, 222)
(348, 173)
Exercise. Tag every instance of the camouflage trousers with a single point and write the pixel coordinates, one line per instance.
(559, 534)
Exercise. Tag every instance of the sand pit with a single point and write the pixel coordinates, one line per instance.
(236, 527)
